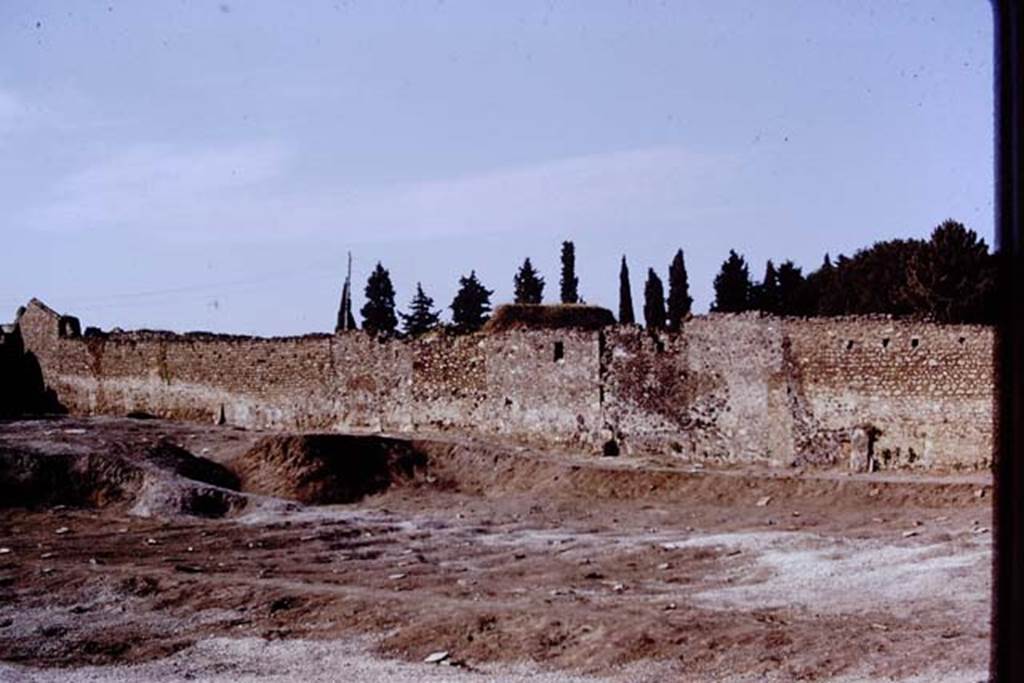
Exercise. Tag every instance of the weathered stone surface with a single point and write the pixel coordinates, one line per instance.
(728, 387)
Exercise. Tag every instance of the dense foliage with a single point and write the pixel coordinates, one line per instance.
(654, 301)
(733, 288)
(421, 318)
(626, 316)
(471, 306)
(569, 282)
(948, 278)
(529, 285)
(379, 310)
(679, 300)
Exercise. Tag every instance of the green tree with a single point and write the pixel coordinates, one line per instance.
(679, 300)
(626, 316)
(818, 288)
(529, 285)
(952, 278)
(873, 280)
(569, 282)
(765, 295)
(654, 301)
(421, 317)
(471, 305)
(379, 310)
(791, 290)
(733, 286)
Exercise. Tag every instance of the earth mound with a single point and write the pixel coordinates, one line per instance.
(156, 479)
(557, 316)
(321, 469)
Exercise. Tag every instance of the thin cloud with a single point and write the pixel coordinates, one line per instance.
(158, 188)
(252, 193)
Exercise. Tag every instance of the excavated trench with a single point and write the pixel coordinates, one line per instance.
(165, 479)
(324, 469)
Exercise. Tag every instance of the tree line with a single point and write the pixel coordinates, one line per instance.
(470, 308)
(948, 278)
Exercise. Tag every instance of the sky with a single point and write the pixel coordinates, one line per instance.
(207, 166)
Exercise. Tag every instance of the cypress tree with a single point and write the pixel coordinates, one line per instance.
(345, 320)
(654, 301)
(626, 316)
(379, 310)
(569, 283)
(529, 285)
(421, 318)
(732, 285)
(766, 296)
(471, 304)
(679, 300)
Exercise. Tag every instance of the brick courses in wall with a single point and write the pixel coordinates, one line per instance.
(731, 388)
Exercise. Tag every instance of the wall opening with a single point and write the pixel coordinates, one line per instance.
(849, 345)
(885, 343)
(69, 327)
(914, 342)
(559, 350)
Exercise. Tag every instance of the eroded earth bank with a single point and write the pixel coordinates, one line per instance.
(140, 549)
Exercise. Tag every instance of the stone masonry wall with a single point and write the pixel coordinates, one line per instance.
(729, 387)
(928, 390)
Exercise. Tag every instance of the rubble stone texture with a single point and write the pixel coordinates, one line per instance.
(866, 392)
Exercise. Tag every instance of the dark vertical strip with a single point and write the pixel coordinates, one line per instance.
(1008, 640)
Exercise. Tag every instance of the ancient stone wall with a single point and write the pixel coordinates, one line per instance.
(729, 387)
(927, 390)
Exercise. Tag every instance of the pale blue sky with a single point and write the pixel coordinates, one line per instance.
(204, 165)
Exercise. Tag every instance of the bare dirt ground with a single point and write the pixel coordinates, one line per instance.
(520, 565)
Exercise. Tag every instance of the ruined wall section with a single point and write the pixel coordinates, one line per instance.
(652, 400)
(266, 382)
(927, 389)
(509, 385)
(718, 390)
(22, 390)
(729, 387)
(66, 367)
(449, 382)
(745, 355)
(531, 386)
(545, 386)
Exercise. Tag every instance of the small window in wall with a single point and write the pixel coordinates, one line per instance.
(885, 343)
(849, 345)
(914, 342)
(559, 350)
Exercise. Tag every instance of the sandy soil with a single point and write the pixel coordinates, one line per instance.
(520, 565)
